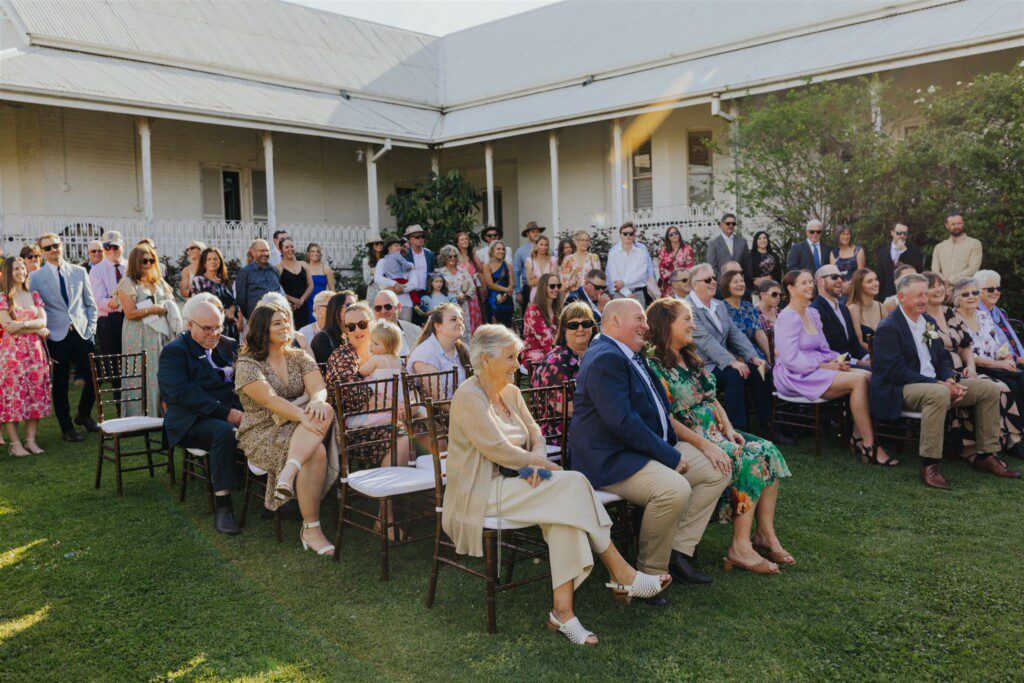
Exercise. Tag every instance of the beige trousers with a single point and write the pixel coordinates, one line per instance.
(933, 402)
(678, 506)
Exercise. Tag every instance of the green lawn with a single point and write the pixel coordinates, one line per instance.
(894, 581)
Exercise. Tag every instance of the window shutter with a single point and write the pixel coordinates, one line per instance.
(259, 196)
(212, 193)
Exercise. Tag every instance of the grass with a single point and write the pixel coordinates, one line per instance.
(894, 581)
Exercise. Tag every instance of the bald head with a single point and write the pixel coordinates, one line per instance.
(624, 320)
(205, 323)
(383, 298)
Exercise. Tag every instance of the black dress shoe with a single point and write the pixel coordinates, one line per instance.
(224, 521)
(658, 600)
(681, 569)
(780, 438)
(89, 424)
(72, 436)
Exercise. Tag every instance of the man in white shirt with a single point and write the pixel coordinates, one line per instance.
(103, 278)
(630, 271)
(491, 234)
(275, 247)
(387, 307)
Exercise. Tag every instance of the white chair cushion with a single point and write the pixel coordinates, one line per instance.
(798, 399)
(256, 470)
(125, 425)
(426, 462)
(607, 498)
(910, 415)
(391, 481)
(196, 451)
(503, 524)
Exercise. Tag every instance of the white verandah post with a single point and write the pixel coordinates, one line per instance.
(268, 163)
(142, 123)
(553, 147)
(489, 169)
(617, 172)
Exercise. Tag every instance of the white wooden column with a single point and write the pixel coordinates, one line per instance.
(371, 189)
(268, 164)
(435, 162)
(876, 103)
(489, 168)
(617, 173)
(553, 147)
(147, 167)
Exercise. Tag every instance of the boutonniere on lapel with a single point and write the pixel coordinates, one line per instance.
(930, 333)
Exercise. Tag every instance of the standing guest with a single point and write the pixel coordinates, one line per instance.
(191, 269)
(727, 246)
(488, 234)
(769, 295)
(806, 367)
(810, 254)
(538, 263)
(846, 256)
(32, 256)
(540, 321)
(576, 266)
(387, 307)
(836, 321)
(319, 272)
(275, 253)
(306, 334)
(754, 465)
(576, 329)
(912, 371)
(674, 255)
(458, 280)
(865, 310)
(212, 277)
(630, 270)
(594, 293)
(374, 253)
(679, 281)
(269, 375)
(440, 347)
(892, 303)
(95, 255)
(890, 256)
(491, 427)
(104, 278)
(522, 288)
(959, 255)
(728, 354)
(422, 260)
(203, 411)
(256, 279)
(437, 294)
(622, 438)
(743, 313)
(764, 263)
(332, 335)
(990, 285)
(565, 250)
(151, 320)
(296, 282)
(71, 319)
(468, 262)
(25, 390)
(500, 281)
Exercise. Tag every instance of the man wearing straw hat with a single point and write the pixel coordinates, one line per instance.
(531, 232)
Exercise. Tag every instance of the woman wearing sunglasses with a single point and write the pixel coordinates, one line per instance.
(675, 254)
(769, 294)
(990, 285)
(540, 320)
(576, 329)
(194, 250)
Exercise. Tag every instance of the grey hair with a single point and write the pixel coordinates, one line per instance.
(961, 285)
(811, 223)
(97, 243)
(988, 276)
(201, 298)
(276, 299)
(488, 341)
(700, 267)
(904, 283)
(446, 252)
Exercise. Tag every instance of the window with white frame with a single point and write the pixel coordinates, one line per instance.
(643, 186)
(699, 176)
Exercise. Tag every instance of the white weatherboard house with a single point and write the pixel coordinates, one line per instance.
(221, 120)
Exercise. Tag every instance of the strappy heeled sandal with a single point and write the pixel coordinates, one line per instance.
(572, 629)
(776, 556)
(283, 491)
(762, 567)
(644, 586)
(869, 455)
(326, 550)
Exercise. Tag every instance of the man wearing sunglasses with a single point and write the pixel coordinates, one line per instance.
(386, 306)
(810, 254)
(422, 260)
(892, 255)
(95, 255)
(630, 269)
(680, 282)
(104, 278)
(71, 318)
(593, 293)
(727, 246)
(532, 233)
(959, 255)
(835, 317)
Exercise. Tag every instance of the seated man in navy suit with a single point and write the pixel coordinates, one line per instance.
(202, 409)
(836, 322)
(593, 292)
(621, 438)
(911, 370)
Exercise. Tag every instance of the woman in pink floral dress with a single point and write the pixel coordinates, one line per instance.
(468, 260)
(673, 255)
(25, 390)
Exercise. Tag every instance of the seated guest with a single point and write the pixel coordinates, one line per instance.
(593, 293)
(911, 371)
(332, 335)
(491, 427)
(728, 354)
(576, 329)
(990, 284)
(769, 296)
(891, 303)
(440, 346)
(622, 438)
(540, 321)
(742, 312)
(805, 366)
(227, 346)
(733, 267)
(957, 342)
(754, 465)
(203, 411)
(679, 280)
(386, 306)
(865, 311)
(835, 317)
(269, 375)
(319, 310)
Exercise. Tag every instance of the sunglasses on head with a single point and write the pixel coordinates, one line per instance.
(362, 324)
(814, 232)
(577, 324)
(51, 247)
(383, 307)
(150, 261)
(627, 233)
(990, 290)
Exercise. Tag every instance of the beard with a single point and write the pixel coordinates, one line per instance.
(956, 232)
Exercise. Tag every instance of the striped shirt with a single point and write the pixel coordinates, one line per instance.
(252, 283)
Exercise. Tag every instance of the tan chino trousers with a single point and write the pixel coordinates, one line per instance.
(933, 402)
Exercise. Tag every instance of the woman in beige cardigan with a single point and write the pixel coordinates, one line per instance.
(490, 427)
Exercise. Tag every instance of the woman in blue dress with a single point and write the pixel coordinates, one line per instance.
(323, 276)
(847, 257)
(500, 284)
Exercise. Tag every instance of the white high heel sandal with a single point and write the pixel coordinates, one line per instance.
(644, 586)
(572, 629)
(326, 550)
(283, 491)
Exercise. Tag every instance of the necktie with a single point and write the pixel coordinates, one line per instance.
(817, 257)
(63, 287)
(117, 272)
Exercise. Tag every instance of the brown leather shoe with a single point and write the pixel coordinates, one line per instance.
(994, 465)
(931, 476)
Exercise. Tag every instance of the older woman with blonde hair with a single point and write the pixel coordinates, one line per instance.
(491, 427)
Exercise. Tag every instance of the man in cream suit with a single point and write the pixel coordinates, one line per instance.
(727, 246)
(71, 319)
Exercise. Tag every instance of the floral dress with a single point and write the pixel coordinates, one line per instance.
(538, 336)
(573, 273)
(669, 262)
(460, 285)
(225, 293)
(137, 336)
(748, 319)
(25, 390)
(768, 325)
(561, 365)
(986, 341)
(343, 368)
(755, 465)
(476, 318)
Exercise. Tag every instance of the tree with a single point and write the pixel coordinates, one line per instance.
(443, 205)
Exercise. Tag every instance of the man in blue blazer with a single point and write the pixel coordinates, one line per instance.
(912, 371)
(71, 318)
(593, 292)
(621, 437)
(423, 259)
(836, 322)
(202, 409)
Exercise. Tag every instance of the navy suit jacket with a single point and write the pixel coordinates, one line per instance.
(430, 261)
(615, 430)
(895, 364)
(838, 340)
(192, 389)
(800, 257)
(580, 295)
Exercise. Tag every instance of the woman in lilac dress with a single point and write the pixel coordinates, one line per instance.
(806, 367)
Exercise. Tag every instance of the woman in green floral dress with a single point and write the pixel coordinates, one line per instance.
(700, 420)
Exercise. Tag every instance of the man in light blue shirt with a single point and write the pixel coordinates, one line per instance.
(531, 232)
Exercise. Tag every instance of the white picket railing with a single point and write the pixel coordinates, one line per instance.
(233, 238)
